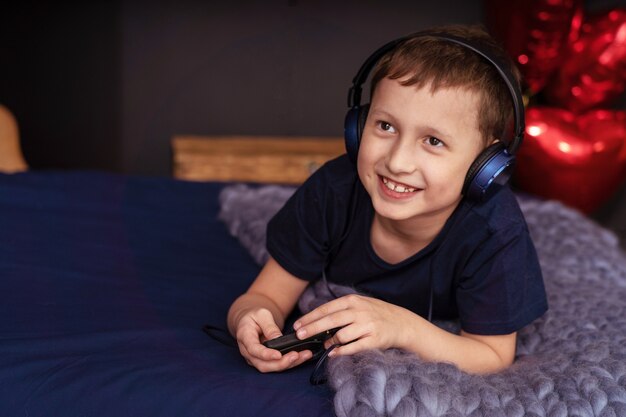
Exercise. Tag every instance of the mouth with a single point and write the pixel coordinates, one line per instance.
(397, 188)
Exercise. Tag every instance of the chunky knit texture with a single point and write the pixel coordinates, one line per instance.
(247, 210)
(571, 361)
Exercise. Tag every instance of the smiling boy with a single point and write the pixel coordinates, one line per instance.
(398, 228)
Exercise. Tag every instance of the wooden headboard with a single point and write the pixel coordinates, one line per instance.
(263, 159)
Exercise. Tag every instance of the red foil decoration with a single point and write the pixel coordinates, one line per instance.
(579, 160)
(594, 70)
(535, 33)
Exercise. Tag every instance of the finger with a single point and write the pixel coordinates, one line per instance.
(350, 349)
(303, 356)
(346, 336)
(285, 362)
(340, 318)
(268, 326)
(250, 340)
(271, 331)
(321, 311)
(349, 334)
(259, 351)
(252, 358)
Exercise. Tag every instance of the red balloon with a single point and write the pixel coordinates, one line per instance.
(594, 71)
(579, 160)
(535, 33)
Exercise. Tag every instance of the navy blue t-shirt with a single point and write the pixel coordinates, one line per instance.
(482, 266)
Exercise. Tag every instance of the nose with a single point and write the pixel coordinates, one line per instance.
(402, 157)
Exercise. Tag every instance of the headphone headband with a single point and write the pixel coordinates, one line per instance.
(354, 94)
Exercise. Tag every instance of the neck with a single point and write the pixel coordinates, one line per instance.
(411, 230)
(396, 240)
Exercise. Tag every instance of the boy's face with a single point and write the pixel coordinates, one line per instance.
(416, 149)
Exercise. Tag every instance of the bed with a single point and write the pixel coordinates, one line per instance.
(109, 279)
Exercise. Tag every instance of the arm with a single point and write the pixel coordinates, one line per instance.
(470, 352)
(369, 323)
(260, 313)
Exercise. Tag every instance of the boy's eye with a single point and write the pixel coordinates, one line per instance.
(433, 141)
(386, 126)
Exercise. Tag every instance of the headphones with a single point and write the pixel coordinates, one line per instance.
(493, 165)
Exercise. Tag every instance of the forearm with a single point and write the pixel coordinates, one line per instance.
(275, 290)
(369, 323)
(466, 351)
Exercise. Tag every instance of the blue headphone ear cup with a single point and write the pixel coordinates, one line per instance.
(351, 133)
(365, 109)
(492, 165)
(353, 128)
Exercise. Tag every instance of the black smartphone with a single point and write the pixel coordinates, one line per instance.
(290, 342)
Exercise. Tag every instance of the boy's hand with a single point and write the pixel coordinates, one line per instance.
(367, 323)
(256, 326)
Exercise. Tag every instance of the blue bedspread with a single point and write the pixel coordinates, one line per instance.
(106, 282)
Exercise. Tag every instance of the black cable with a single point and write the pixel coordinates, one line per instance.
(217, 333)
(431, 280)
(317, 375)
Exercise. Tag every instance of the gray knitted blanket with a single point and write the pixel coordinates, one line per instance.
(570, 362)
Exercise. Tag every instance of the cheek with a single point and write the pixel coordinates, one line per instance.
(462, 172)
(448, 176)
(363, 167)
(367, 156)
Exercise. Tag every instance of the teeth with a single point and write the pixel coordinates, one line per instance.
(396, 187)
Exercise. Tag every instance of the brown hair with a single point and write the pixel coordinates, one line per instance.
(427, 59)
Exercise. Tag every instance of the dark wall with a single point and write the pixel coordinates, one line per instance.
(60, 75)
(105, 85)
(272, 67)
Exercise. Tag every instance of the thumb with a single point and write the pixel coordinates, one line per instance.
(269, 328)
(271, 331)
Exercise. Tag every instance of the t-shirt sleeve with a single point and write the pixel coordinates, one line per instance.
(501, 289)
(298, 236)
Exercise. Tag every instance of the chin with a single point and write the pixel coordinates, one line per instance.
(395, 211)
(400, 212)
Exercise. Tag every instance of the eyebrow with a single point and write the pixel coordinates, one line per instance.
(435, 132)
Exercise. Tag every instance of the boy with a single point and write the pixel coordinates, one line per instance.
(397, 228)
